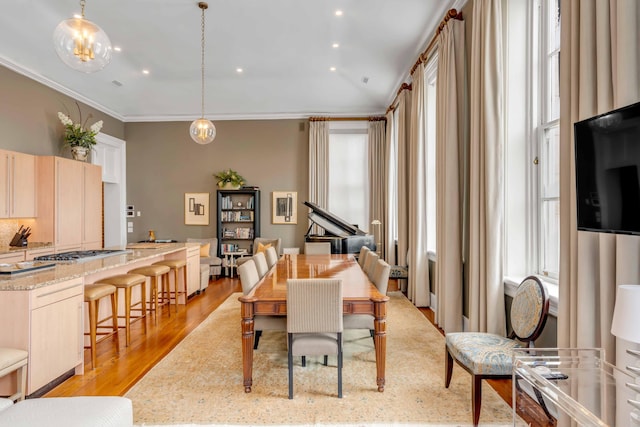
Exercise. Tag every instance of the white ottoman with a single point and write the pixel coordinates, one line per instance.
(85, 411)
(204, 276)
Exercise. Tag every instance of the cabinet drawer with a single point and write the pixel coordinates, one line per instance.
(54, 293)
(14, 257)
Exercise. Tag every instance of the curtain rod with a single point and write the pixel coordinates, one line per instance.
(451, 14)
(404, 86)
(346, 119)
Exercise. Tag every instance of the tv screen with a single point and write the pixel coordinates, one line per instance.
(607, 150)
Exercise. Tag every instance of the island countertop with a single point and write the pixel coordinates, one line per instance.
(66, 270)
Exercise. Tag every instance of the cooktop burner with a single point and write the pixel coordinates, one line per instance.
(81, 255)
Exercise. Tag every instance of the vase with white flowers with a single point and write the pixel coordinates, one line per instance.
(77, 136)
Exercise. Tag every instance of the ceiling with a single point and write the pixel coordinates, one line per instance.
(283, 46)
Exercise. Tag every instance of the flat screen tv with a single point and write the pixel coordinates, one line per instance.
(607, 151)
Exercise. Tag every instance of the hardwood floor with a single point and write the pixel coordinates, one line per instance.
(116, 372)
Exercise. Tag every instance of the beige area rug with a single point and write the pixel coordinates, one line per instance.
(200, 381)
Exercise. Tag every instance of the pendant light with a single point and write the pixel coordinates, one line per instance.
(81, 44)
(202, 131)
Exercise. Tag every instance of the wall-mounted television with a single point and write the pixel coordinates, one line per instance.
(607, 155)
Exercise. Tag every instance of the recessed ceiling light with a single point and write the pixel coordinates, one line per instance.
(239, 70)
(145, 71)
(335, 45)
(338, 12)
(332, 69)
(117, 48)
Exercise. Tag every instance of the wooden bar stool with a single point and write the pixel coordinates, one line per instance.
(159, 275)
(127, 282)
(175, 265)
(12, 359)
(92, 296)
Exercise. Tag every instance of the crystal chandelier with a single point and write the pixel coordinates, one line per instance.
(202, 131)
(81, 44)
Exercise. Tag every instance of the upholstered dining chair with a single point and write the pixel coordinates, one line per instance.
(363, 255)
(272, 256)
(370, 263)
(261, 264)
(380, 278)
(249, 278)
(489, 356)
(314, 322)
(261, 244)
(317, 248)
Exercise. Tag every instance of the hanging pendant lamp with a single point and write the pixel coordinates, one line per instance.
(81, 44)
(202, 131)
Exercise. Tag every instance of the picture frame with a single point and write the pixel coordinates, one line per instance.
(284, 207)
(196, 208)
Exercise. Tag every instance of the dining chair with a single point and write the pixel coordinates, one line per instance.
(489, 356)
(261, 244)
(314, 322)
(249, 279)
(381, 280)
(317, 248)
(261, 264)
(272, 256)
(370, 263)
(363, 255)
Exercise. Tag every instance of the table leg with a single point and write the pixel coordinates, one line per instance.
(380, 339)
(247, 345)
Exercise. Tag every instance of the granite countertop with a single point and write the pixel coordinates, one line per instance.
(71, 270)
(6, 249)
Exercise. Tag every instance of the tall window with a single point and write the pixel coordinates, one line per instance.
(430, 74)
(348, 172)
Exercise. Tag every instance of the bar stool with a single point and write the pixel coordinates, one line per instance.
(157, 274)
(12, 359)
(127, 282)
(175, 265)
(92, 296)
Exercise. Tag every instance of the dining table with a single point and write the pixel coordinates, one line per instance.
(269, 297)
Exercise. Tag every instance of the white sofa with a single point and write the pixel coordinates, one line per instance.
(83, 411)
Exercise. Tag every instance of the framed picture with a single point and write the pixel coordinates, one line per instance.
(285, 207)
(196, 208)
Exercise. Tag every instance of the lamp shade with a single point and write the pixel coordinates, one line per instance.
(626, 314)
(202, 131)
(82, 45)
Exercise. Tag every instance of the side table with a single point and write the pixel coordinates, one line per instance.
(230, 261)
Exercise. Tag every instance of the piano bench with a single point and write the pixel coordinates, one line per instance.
(398, 272)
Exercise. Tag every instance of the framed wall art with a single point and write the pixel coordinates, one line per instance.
(285, 207)
(196, 208)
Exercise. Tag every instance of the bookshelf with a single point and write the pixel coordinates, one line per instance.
(238, 220)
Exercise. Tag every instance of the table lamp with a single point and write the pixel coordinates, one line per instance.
(376, 233)
(625, 326)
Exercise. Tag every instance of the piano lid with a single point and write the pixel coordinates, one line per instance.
(332, 223)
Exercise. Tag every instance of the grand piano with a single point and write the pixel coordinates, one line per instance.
(344, 237)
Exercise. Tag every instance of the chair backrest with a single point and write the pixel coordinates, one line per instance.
(262, 242)
(261, 264)
(314, 305)
(317, 248)
(529, 309)
(363, 255)
(380, 276)
(291, 251)
(272, 256)
(370, 263)
(248, 276)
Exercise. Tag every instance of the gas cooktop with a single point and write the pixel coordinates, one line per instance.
(81, 255)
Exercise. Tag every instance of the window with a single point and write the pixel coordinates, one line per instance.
(430, 74)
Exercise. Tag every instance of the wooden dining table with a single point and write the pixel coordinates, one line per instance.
(269, 297)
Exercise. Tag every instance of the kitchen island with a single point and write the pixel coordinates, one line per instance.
(43, 311)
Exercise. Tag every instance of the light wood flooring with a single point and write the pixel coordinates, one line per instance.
(116, 372)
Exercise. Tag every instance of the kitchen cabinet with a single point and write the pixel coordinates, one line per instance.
(193, 269)
(17, 185)
(33, 253)
(69, 204)
(12, 257)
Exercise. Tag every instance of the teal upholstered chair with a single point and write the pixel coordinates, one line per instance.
(489, 356)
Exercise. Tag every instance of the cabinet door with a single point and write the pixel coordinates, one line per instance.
(23, 188)
(68, 204)
(5, 182)
(193, 270)
(92, 232)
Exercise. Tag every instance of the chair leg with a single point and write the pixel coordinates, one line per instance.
(127, 314)
(448, 370)
(93, 326)
(22, 381)
(339, 365)
(326, 360)
(114, 317)
(476, 397)
(304, 361)
(257, 338)
(290, 364)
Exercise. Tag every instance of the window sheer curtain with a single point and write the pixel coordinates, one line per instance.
(402, 167)
(600, 70)
(390, 219)
(418, 286)
(377, 179)
(486, 170)
(450, 149)
(318, 165)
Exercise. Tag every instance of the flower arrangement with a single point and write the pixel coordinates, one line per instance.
(229, 177)
(77, 134)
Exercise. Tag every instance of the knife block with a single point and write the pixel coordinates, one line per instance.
(18, 240)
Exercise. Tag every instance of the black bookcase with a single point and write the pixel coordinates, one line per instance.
(238, 219)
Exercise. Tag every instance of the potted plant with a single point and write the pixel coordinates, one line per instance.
(229, 179)
(77, 136)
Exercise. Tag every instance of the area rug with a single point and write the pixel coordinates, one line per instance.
(200, 381)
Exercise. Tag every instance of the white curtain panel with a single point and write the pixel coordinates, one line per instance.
(318, 165)
(418, 286)
(377, 179)
(389, 223)
(600, 71)
(450, 138)
(486, 170)
(402, 196)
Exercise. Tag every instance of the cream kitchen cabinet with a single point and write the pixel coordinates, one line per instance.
(17, 185)
(193, 269)
(69, 204)
(12, 257)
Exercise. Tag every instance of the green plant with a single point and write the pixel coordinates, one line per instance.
(229, 176)
(77, 134)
